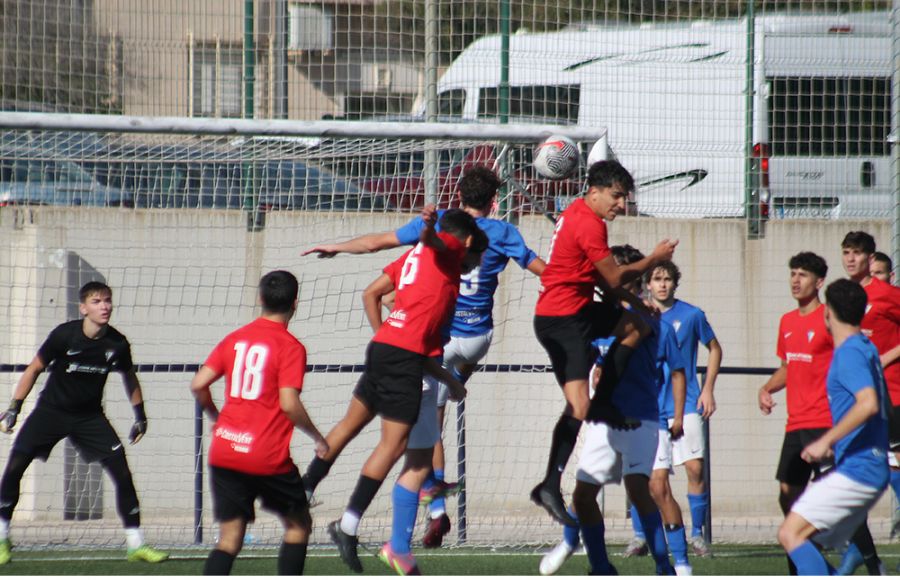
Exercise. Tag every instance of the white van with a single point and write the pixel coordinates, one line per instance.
(811, 140)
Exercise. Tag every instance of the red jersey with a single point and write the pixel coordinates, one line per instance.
(252, 434)
(806, 346)
(881, 325)
(567, 283)
(427, 284)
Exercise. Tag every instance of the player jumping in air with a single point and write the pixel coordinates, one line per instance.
(567, 319)
(80, 355)
(833, 507)
(250, 453)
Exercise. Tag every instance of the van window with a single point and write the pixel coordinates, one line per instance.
(451, 103)
(829, 116)
(557, 104)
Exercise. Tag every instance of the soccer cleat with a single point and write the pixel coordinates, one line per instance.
(402, 564)
(437, 490)
(346, 544)
(604, 412)
(552, 501)
(636, 547)
(146, 553)
(895, 523)
(700, 547)
(437, 529)
(5, 551)
(555, 558)
(683, 570)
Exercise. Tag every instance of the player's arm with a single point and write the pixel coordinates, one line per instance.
(706, 400)
(890, 357)
(292, 407)
(373, 296)
(200, 384)
(536, 266)
(776, 382)
(136, 398)
(615, 275)
(679, 396)
(366, 244)
(865, 406)
(428, 235)
(26, 382)
(457, 389)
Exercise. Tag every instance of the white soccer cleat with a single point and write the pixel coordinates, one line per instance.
(555, 558)
(683, 570)
(636, 547)
(701, 548)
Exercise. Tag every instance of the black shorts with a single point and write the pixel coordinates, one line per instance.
(391, 385)
(567, 339)
(234, 492)
(90, 433)
(894, 428)
(793, 470)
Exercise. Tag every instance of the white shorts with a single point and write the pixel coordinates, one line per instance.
(609, 454)
(692, 444)
(426, 433)
(463, 350)
(664, 451)
(836, 505)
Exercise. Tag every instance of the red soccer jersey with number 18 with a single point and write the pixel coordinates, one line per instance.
(252, 434)
(568, 281)
(427, 285)
(806, 346)
(881, 325)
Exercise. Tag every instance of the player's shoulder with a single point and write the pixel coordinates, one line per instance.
(113, 334)
(66, 329)
(686, 308)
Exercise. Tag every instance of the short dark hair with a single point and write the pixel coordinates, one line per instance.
(460, 224)
(608, 173)
(278, 291)
(847, 300)
(859, 241)
(93, 287)
(669, 267)
(812, 263)
(882, 257)
(626, 254)
(478, 187)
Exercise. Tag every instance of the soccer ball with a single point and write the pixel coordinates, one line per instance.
(556, 157)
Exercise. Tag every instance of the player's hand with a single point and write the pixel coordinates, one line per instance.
(676, 430)
(137, 431)
(322, 251)
(706, 403)
(429, 215)
(664, 250)
(8, 420)
(322, 448)
(817, 452)
(458, 391)
(765, 401)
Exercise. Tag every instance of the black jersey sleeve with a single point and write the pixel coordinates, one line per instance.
(54, 345)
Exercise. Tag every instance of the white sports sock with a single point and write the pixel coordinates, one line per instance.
(350, 523)
(4, 529)
(134, 538)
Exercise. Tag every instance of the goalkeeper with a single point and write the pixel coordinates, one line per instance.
(81, 354)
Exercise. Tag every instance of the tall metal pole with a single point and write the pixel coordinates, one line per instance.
(503, 97)
(280, 33)
(249, 60)
(431, 104)
(895, 135)
(751, 179)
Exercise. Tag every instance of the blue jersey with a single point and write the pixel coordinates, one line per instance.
(671, 360)
(691, 329)
(476, 289)
(860, 455)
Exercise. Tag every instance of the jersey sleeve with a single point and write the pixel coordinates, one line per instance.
(780, 349)
(53, 347)
(395, 268)
(215, 360)
(854, 371)
(513, 246)
(669, 351)
(593, 240)
(704, 330)
(126, 363)
(292, 369)
(409, 234)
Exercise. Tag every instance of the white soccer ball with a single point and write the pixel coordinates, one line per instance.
(556, 157)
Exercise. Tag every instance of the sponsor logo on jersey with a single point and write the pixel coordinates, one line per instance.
(90, 369)
(73, 352)
(799, 357)
(397, 318)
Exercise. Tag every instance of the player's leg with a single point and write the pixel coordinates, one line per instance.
(228, 546)
(793, 472)
(593, 530)
(292, 553)
(793, 535)
(861, 551)
(9, 497)
(600, 464)
(358, 415)
(397, 553)
(676, 538)
(688, 451)
(233, 496)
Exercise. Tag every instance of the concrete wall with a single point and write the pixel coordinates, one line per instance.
(182, 280)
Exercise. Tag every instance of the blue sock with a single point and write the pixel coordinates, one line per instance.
(636, 523)
(594, 538)
(570, 533)
(895, 483)
(438, 506)
(699, 506)
(677, 539)
(809, 561)
(406, 505)
(656, 538)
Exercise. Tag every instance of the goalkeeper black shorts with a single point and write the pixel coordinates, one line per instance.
(90, 433)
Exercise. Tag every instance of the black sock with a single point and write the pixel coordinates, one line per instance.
(291, 558)
(218, 563)
(863, 540)
(565, 434)
(365, 491)
(315, 473)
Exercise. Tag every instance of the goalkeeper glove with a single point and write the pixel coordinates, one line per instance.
(9, 417)
(140, 424)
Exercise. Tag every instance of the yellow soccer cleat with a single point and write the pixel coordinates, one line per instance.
(147, 554)
(5, 552)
